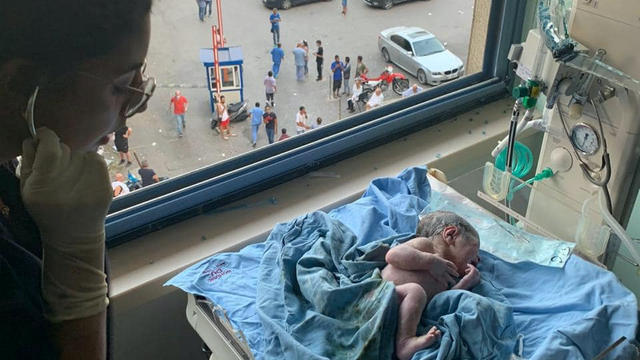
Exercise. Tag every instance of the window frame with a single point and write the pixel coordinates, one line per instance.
(202, 190)
(235, 75)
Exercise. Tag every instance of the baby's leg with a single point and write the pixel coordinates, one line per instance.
(412, 299)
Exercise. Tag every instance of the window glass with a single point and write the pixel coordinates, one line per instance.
(229, 77)
(426, 47)
(397, 39)
(181, 59)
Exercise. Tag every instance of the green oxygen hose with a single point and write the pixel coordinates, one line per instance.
(522, 160)
(544, 174)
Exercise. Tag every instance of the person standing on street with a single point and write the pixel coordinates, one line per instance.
(202, 4)
(270, 123)
(223, 115)
(270, 88)
(147, 175)
(337, 67)
(305, 47)
(277, 55)
(256, 120)
(121, 140)
(346, 74)
(180, 105)
(301, 121)
(361, 68)
(319, 54)
(344, 7)
(208, 5)
(274, 19)
(298, 56)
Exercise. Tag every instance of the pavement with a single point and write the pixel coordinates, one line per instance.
(173, 58)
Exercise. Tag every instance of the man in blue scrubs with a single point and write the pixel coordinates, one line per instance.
(277, 55)
(256, 120)
(298, 56)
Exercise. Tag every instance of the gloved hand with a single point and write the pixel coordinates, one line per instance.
(68, 195)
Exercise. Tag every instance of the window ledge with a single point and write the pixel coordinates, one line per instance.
(140, 267)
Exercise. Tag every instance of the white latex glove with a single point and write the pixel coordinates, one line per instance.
(68, 195)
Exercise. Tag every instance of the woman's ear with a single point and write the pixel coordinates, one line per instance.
(449, 234)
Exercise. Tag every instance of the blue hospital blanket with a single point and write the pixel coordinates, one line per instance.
(567, 312)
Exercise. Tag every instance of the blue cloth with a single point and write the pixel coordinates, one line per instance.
(274, 25)
(460, 315)
(276, 55)
(256, 116)
(325, 299)
(560, 312)
(573, 312)
(337, 67)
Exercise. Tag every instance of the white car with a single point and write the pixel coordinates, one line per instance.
(419, 53)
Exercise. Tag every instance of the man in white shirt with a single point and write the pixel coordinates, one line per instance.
(301, 121)
(376, 99)
(356, 90)
(119, 186)
(415, 89)
(270, 88)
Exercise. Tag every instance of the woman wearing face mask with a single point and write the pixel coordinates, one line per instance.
(71, 72)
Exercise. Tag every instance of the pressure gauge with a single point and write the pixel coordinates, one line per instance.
(585, 139)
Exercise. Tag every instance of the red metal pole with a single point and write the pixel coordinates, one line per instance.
(219, 9)
(216, 63)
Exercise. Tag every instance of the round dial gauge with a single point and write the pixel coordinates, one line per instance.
(585, 139)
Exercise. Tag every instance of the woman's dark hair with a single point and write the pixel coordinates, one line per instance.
(58, 35)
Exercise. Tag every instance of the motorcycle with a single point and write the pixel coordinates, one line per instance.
(237, 112)
(399, 82)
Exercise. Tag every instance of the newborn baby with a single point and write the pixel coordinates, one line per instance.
(446, 246)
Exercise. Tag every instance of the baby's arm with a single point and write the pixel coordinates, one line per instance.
(469, 280)
(407, 257)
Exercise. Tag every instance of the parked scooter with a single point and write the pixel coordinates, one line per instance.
(237, 112)
(399, 82)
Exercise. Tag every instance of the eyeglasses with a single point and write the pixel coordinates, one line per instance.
(141, 93)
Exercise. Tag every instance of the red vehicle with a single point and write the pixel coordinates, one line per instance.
(399, 82)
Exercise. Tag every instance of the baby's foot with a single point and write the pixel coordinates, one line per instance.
(430, 337)
(407, 348)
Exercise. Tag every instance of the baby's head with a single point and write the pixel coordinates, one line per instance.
(454, 238)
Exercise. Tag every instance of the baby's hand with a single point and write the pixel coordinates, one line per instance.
(470, 279)
(443, 270)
